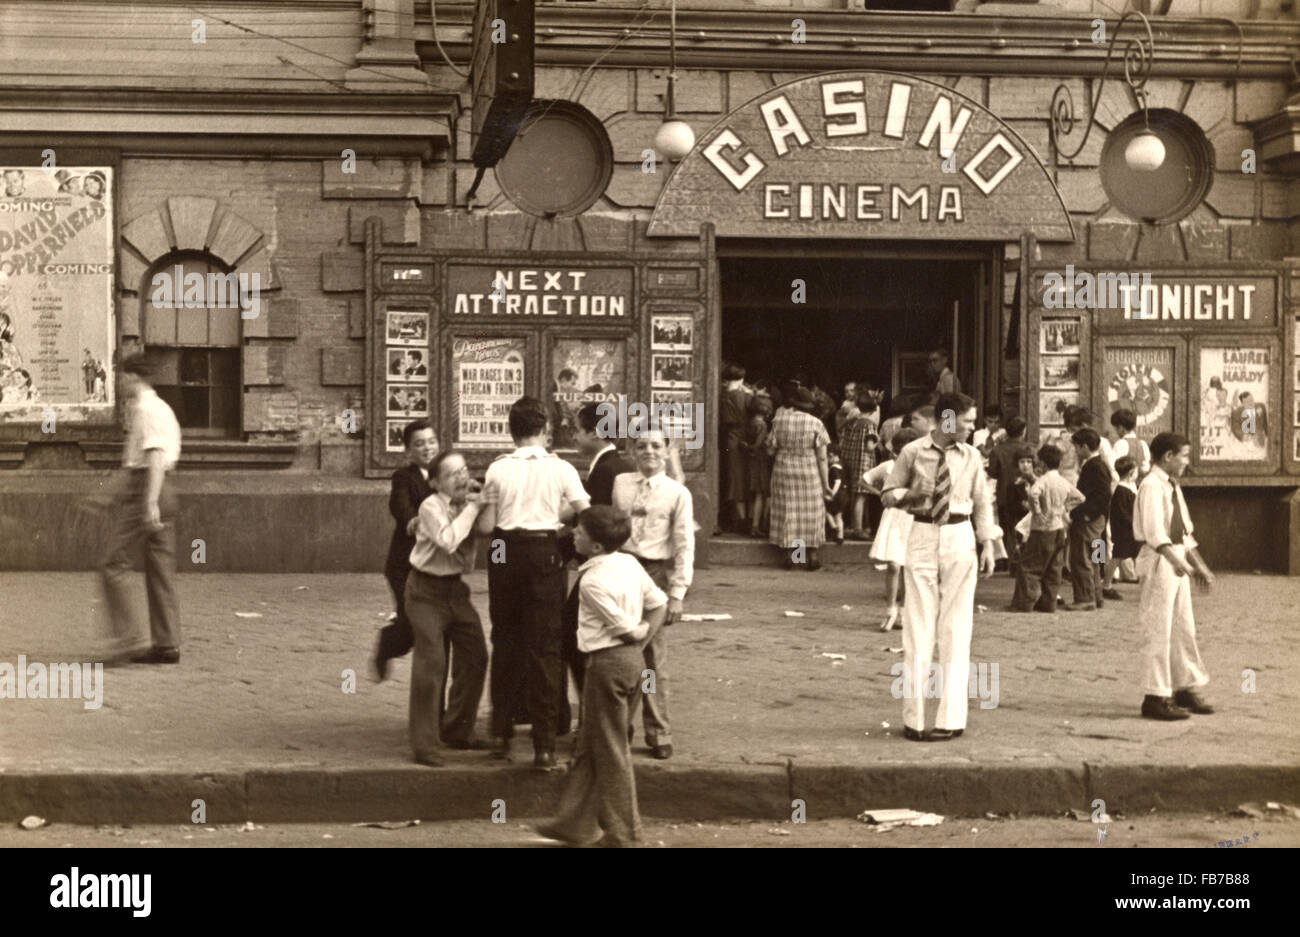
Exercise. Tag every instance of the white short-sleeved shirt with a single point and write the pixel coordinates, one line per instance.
(530, 487)
(150, 424)
(613, 594)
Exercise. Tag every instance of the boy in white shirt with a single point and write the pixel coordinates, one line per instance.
(620, 609)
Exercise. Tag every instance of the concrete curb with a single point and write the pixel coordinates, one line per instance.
(759, 792)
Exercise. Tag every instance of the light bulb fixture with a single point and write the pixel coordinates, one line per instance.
(675, 138)
(1145, 152)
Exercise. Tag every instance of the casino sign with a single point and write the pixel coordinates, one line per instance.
(862, 154)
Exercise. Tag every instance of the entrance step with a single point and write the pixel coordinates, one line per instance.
(732, 550)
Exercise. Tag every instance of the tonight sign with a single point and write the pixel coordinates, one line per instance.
(862, 154)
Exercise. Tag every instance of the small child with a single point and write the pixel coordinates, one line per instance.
(890, 543)
(1124, 548)
(839, 495)
(1016, 508)
(619, 610)
(1051, 498)
(857, 448)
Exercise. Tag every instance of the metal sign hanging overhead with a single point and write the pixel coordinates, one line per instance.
(501, 75)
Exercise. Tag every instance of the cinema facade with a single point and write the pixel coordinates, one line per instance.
(887, 185)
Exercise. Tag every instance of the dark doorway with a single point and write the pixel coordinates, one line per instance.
(870, 319)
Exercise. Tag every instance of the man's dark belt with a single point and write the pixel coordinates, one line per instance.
(522, 533)
(952, 519)
(451, 577)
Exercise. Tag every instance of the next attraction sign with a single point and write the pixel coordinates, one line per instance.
(862, 154)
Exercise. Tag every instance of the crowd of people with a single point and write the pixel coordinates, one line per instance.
(628, 534)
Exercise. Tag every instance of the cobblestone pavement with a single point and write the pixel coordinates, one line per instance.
(266, 691)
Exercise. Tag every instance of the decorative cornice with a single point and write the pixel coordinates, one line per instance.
(928, 43)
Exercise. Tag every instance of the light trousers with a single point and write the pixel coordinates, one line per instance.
(1170, 658)
(940, 572)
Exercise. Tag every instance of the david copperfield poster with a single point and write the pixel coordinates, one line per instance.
(56, 292)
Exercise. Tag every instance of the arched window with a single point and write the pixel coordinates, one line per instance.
(192, 328)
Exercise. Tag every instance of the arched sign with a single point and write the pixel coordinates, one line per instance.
(862, 154)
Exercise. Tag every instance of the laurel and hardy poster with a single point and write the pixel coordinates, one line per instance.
(56, 292)
(1141, 379)
(1234, 404)
(584, 370)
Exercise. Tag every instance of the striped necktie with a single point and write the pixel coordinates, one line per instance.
(942, 489)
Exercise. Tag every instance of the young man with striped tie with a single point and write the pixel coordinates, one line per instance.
(940, 480)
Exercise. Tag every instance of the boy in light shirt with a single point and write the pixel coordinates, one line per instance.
(620, 609)
(1042, 558)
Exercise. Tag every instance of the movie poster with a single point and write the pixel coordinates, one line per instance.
(1141, 379)
(489, 378)
(583, 370)
(56, 292)
(1234, 404)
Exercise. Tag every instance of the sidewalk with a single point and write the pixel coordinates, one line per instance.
(255, 722)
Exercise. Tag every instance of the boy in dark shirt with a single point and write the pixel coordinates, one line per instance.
(1088, 522)
(1123, 544)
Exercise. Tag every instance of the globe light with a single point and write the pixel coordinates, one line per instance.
(674, 139)
(1145, 152)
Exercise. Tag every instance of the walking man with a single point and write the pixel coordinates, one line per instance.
(526, 496)
(1172, 671)
(144, 515)
(940, 480)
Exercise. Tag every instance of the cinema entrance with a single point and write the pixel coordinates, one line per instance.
(852, 312)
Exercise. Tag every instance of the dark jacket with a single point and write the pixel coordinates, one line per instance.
(600, 483)
(409, 489)
(1004, 469)
(1094, 482)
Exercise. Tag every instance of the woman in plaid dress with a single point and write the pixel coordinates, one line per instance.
(799, 478)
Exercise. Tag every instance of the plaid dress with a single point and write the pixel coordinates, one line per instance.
(858, 455)
(798, 512)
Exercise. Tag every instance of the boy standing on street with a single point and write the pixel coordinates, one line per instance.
(662, 539)
(1172, 670)
(620, 610)
(1088, 522)
(1043, 555)
(145, 514)
(437, 602)
(526, 495)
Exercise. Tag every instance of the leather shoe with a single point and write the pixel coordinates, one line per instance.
(912, 735)
(159, 655)
(943, 735)
(430, 761)
(544, 761)
(1163, 708)
(1112, 594)
(1192, 702)
(381, 668)
(662, 752)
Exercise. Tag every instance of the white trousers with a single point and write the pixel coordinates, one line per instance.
(1170, 658)
(941, 570)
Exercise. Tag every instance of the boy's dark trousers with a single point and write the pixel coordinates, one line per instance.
(1041, 560)
(1007, 520)
(131, 532)
(525, 599)
(396, 637)
(600, 790)
(655, 715)
(1085, 575)
(441, 615)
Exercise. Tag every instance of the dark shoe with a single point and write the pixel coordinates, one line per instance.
(544, 761)
(1112, 594)
(1161, 707)
(814, 563)
(912, 735)
(159, 655)
(662, 752)
(501, 749)
(858, 535)
(430, 761)
(1016, 608)
(471, 745)
(1192, 702)
(381, 667)
(943, 735)
(550, 832)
